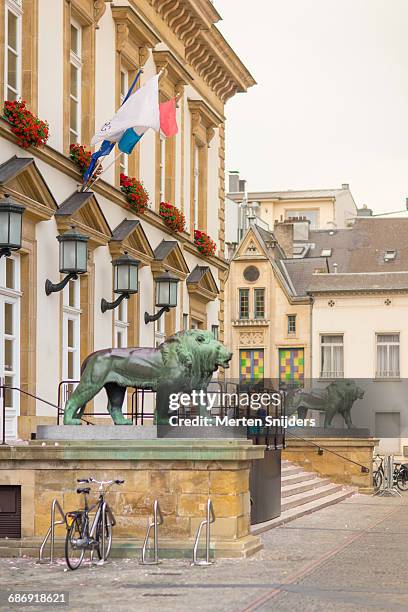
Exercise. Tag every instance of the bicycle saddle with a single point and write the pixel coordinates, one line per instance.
(84, 490)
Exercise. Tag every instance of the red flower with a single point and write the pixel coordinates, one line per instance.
(82, 158)
(172, 217)
(136, 195)
(30, 130)
(204, 243)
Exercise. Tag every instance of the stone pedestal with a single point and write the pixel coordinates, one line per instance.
(332, 465)
(181, 474)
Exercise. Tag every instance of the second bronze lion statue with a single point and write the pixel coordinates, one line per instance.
(183, 363)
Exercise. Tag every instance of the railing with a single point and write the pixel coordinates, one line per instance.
(3, 401)
(157, 520)
(138, 405)
(51, 531)
(321, 449)
(209, 519)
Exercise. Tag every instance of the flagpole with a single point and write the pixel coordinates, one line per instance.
(105, 169)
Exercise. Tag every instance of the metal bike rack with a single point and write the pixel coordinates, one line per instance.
(157, 520)
(210, 518)
(51, 531)
(388, 488)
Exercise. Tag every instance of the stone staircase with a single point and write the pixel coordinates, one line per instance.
(303, 493)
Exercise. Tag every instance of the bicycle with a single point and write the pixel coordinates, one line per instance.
(400, 475)
(81, 534)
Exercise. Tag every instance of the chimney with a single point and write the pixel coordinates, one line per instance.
(283, 231)
(334, 268)
(233, 185)
(345, 186)
(241, 185)
(364, 212)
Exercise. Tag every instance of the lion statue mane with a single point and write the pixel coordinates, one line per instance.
(337, 398)
(183, 363)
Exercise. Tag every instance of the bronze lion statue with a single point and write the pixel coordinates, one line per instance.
(337, 398)
(183, 363)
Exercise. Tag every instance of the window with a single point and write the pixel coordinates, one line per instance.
(121, 325)
(244, 303)
(326, 253)
(12, 55)
(162, 184)
(185, 321)
(331, 350)
(259, 303)
(10, 338)
(71, 360)
(388, 356)
(196, 174)
(124, 87)
(291, 325)
(215, 331)
(75, 83)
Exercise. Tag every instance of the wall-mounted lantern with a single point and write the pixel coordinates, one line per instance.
(73, 258)
(125, 280)
(166, 295)
(11, 219)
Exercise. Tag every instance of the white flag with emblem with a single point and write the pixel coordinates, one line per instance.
(140, 112)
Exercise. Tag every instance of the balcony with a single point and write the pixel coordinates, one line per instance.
(250, 322)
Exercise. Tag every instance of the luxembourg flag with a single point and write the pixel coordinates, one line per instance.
(140, 112)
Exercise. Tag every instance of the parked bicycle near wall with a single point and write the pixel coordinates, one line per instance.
(82, 534)
(400, 474)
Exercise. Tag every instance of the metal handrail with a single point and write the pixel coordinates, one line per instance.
(210, 518)
(51, 531)
(321, 449)
(3, 399)
(157, 520)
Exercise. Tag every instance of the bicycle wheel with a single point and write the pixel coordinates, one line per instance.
(402, 481)
(73, 554)
(377, 480)
(108, 537)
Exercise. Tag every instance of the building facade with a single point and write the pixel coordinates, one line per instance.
(73, 61)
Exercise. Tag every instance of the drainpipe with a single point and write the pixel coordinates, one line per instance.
(311, 337)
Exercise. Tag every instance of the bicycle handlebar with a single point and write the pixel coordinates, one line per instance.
(101, 482)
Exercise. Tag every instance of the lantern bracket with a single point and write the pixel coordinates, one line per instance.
(105, 305)
(55, 287)
(150, 318)
(5, 251)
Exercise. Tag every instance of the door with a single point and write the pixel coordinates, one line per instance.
(292, 366)
(10, 511)
(10, 339)
(251, 368)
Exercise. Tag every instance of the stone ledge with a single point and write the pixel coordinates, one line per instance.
(131, 548)
(125, 450)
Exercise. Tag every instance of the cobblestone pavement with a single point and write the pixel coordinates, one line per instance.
(348, 557)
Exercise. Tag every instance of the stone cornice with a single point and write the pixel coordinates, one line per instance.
(200, 43)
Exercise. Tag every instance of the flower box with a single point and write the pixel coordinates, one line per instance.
(81, 156)
(136, 195)
(204, 243)
(172, 217)
(30, 131)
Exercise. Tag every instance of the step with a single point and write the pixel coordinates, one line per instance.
(304, 498)
(301, 487)
(299, 477)
(303, 510)
(291, 469)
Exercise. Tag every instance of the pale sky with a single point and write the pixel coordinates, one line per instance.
(331, 103)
